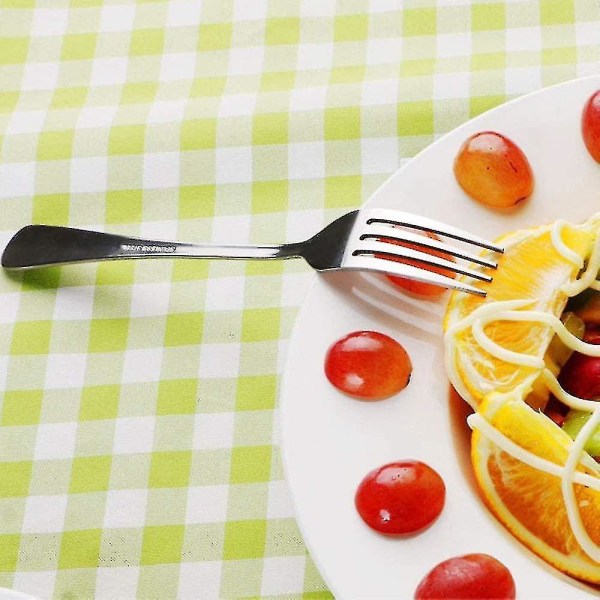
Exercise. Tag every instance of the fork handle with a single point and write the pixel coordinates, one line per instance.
(45, 245)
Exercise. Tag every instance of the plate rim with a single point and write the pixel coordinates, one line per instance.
(300, 317)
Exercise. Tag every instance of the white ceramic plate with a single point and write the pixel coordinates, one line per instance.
(331, 441)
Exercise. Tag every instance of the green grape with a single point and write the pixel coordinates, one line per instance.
(575, 420)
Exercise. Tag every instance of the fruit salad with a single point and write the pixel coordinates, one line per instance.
(527, 359)
(524, 357)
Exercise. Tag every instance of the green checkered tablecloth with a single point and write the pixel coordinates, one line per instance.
(138, 420)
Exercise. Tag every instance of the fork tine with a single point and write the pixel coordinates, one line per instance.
(365, 262)
(389, 250)
(381, 230)
(394, 217)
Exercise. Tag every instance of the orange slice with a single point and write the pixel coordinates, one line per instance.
(527, 500)
(532, 269)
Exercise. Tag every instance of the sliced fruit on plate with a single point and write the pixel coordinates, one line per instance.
(557, 355)
(519, 457)
(535, 275)
(504, 355)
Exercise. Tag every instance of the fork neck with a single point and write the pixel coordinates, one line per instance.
(241, 251)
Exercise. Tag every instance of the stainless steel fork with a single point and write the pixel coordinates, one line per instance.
(369, 240)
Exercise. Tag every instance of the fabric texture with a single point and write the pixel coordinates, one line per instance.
(138, 422)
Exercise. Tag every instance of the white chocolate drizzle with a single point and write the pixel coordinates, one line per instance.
(569, 473)
(564, 250)
(477, 421)
(516, 310)
(588, 277)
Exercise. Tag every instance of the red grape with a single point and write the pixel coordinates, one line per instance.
(590, 125)
(581, 376)
(368, 365)
(468, 577)
(401, 497)
(493, 170)
(592, 334)
(556, 410)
